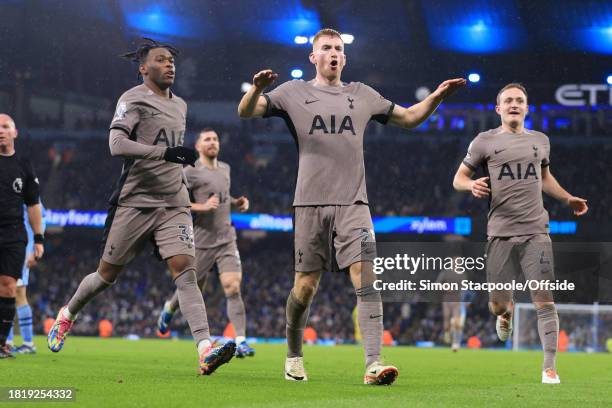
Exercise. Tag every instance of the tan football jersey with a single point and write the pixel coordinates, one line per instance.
(327, 123)
(212, 228)
(514, 165)
(156, 121)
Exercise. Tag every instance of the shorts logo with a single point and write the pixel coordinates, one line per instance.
(300, 253)
(186, 234)
(120, 112)
(111, 250)
(367, 235)
(18, 185)
(544, 259)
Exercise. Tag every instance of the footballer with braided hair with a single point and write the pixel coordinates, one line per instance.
(150, 202)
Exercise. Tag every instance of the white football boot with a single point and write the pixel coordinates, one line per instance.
(379, 374)
(550, 376)
(294, 369)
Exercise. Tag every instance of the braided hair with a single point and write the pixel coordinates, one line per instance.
(139, 55)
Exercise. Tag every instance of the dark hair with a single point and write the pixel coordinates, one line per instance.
(511, 85)
(139, 55)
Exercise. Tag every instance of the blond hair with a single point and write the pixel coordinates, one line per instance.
(511, 85)
(326, 32)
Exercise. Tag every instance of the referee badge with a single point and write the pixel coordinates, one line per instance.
(18, 185)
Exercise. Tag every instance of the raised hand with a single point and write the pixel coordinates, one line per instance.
(264, 78)
(449, 87)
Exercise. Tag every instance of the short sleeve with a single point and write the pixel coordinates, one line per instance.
(31, 188)
(278, 99)
(190, 177)
(546, 158)
(380, 107)
(127, 115)
(476, 154)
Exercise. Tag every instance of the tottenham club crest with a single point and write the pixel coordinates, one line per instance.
(18, 185)
(120, 112)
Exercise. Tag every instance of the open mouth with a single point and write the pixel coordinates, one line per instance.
(334, 64)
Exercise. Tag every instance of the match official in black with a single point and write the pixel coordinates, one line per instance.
(18, 186)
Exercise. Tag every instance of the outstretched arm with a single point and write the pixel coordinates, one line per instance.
(551, 186)
(253, 104)
(416, 114)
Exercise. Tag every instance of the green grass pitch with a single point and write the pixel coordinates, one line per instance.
(162, 373)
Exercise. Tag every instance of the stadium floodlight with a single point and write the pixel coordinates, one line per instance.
(609, 79)
(245, 87)
(479, 26)
(473, 77)
(297, 73)
(347, 38)
(421, 93)
(300, 39)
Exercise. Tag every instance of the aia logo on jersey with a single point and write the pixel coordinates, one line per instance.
(171, 139)
(346, 125)
(517, 173)
(18, 185)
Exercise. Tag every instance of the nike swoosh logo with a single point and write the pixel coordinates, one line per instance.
(295, 377)
(307, 102)
(373, 372)
(180, 158)
(547, 333)
(375, 316)
(499, 151)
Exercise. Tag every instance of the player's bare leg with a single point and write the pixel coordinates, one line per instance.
(548, 329)
(370, 318)
(235, 311)
(298, 306)
(89, 288)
